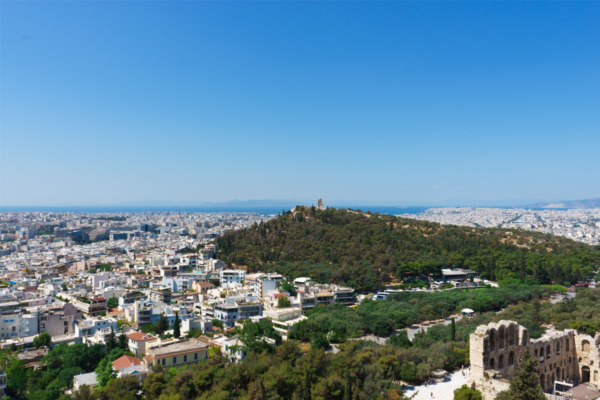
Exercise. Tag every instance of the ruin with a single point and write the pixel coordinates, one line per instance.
(496, 349)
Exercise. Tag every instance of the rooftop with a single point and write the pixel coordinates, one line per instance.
(141, 336)
(181, 347)
(125, 361)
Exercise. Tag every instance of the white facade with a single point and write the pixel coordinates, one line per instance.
(236, 276)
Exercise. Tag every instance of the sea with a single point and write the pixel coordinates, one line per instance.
(204, 209)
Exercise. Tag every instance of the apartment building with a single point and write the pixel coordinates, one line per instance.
(90, 306)
(284, 318)
(160, 295)
(232, 276)
(89, 327)
(59, 320)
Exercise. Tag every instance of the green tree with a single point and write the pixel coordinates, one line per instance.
(162, 325)
(466, 393)
(177, 328)
(123, 342)
(111, 341)
(283, 302)
(318, 341)
(127, 388)
(287, 286)
(535, 314)
(113, 302)
(453, 330)
(43, 339)
(525, 384)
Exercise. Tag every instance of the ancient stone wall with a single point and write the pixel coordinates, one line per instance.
(496, 349)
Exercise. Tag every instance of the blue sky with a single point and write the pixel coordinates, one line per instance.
(382, 102)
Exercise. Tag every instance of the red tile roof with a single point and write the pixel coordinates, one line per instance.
(141, 336)
(125, 361)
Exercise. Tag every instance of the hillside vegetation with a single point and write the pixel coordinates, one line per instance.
(365, 251)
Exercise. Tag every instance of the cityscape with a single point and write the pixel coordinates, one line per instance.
(582, 225)
(299, 200)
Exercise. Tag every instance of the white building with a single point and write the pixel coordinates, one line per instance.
(235, 276)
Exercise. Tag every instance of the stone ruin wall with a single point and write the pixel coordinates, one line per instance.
(496, 348)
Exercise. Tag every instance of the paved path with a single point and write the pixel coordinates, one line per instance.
(440, 391)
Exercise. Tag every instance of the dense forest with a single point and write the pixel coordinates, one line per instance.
(366, 250)
(407, 308)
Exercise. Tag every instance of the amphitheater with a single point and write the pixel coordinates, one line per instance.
(566, 355)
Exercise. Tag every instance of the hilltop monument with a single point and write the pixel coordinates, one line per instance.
(320, 204)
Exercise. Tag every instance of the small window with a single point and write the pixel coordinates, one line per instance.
(174, 360)
(163, 361)
(185, 358)
(195, 356)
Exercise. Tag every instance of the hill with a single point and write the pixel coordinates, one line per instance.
(366, 251)
(587, 203)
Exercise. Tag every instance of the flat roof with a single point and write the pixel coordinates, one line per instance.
(177, 348)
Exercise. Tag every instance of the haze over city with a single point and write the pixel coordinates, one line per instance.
(391, 102)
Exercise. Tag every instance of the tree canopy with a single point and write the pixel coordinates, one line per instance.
(366, 251)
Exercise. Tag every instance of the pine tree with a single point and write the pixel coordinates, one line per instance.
(123, 341)
(163, 325)
(111, 342)
(535, 315)
(176, 329)
(525, 385)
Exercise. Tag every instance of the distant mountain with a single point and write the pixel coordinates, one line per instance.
(587, 203)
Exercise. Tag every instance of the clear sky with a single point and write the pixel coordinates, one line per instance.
(400, 102)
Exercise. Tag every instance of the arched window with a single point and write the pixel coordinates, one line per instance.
(501, 361)
(558, 348)
(493, 339)
(501, 337)
(512, 333)
(585, 374)
(511, 358)
(548, 351)
(492, 363)
(585, 346)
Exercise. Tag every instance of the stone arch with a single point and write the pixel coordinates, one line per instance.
(542, 351)
(492, 363)
(511, 358)
(501, 361)
(512, 334)
(585, 346)
(548, 351)
(557, 348)
(559, 374)
(501, 337)
(585, 374)
(492, 340)
(535, 353)
(543, 380)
